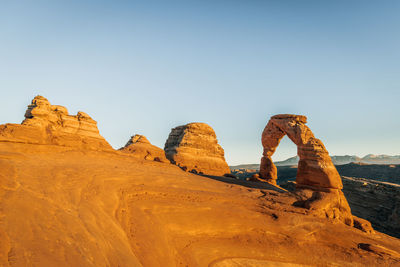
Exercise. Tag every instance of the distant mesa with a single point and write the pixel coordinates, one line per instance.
(51, 124)
(139, 146)
(346, 159)
(194, 147)
(318, 183)
(336, 160)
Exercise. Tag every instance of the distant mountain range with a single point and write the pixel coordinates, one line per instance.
(337, 160)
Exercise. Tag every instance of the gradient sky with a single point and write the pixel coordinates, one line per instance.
(147, 66)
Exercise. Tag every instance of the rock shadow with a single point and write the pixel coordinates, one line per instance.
(248, 184)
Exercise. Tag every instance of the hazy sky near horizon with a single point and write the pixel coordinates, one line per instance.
(147, 66)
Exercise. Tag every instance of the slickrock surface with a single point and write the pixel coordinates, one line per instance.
(50, 124)
(318, 181)
(194, 147)
(63, 207)
(378, 202)
(140, 147)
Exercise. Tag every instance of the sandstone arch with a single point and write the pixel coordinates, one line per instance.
(318, 184)
(315, 168)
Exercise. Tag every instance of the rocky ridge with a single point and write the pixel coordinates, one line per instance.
(336, 160)
(383, 173)
(51, 124)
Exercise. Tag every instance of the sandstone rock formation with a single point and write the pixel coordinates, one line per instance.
(318, 182)
(363, 225)
(65, 207)
(51, 124)
(255, 178)
(315, 168)
(72, 207)
(139, 146)
(194, 147)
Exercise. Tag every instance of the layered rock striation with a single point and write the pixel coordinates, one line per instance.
(318, 182)
(139, 146)
(51, 124)
(315, 167)
(194, 147)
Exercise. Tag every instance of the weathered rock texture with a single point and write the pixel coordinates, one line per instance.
(315, 168)
(194, 147)
(51, 124)
(318, 182)
(378, 202)
(65, 207)
(139, 146)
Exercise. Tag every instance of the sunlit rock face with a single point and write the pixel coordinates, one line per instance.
(315, 167)
(318, 182)
(139, 146)
(62, 207)
(194, 147)
(51, 124)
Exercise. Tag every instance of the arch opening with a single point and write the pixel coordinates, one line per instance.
(286, 160)
(315, 167)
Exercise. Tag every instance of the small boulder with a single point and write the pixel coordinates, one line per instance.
(363, 225)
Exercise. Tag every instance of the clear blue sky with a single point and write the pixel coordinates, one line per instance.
(147, 66)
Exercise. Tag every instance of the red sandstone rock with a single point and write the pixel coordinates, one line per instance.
(256, 178)
(315, 167)
(363, 225)
(139, 146)
(194, 147)
(50, 124)
(332, 204)
(315, 170)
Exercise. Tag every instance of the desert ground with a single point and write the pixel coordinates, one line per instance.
(62, 206)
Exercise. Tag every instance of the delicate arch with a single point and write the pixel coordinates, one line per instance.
(315, 168)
